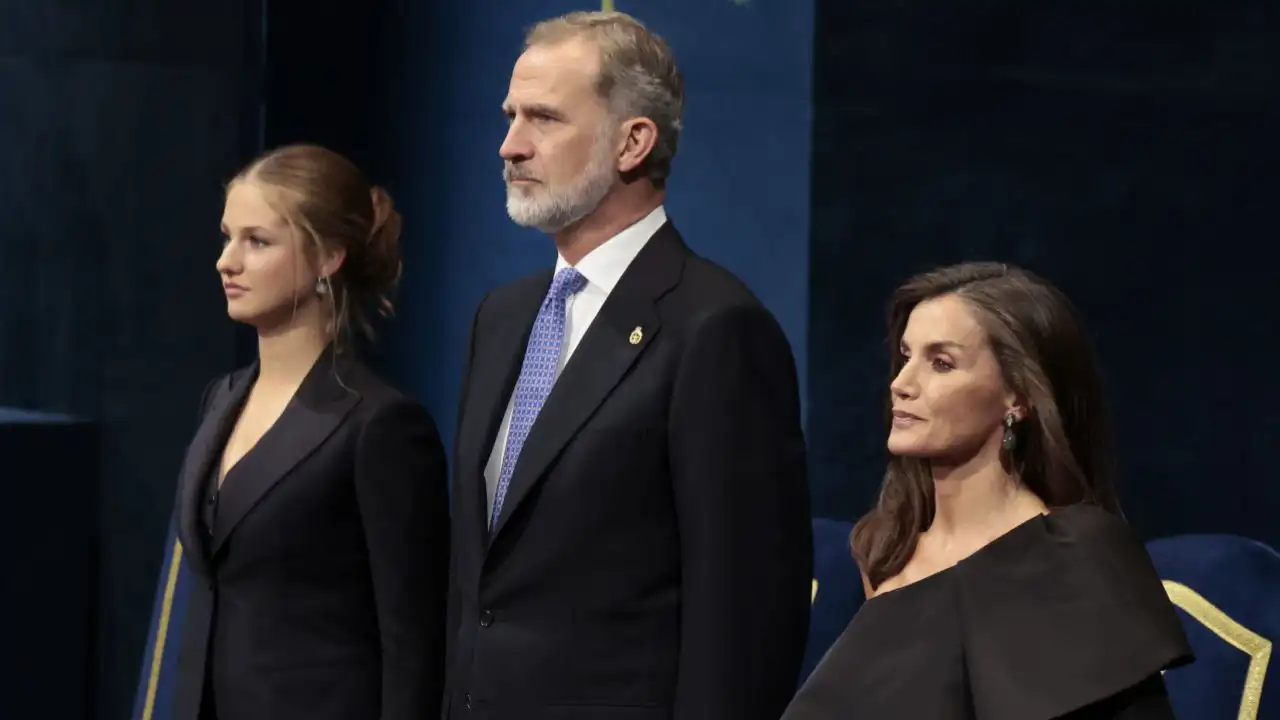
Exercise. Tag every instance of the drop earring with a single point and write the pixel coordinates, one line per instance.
(1010, 440)
(322, 285)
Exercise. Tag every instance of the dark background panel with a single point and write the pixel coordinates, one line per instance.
(1125, 152)
(118, 125)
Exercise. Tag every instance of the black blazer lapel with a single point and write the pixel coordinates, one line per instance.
(627, 323)
(499, 355)
(204, 450)
(316, 410)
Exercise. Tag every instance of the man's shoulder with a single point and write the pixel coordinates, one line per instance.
(707, 287)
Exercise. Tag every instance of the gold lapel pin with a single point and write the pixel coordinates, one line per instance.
(637, 335)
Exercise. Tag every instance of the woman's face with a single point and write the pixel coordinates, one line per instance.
(265, 273)
(950, 398)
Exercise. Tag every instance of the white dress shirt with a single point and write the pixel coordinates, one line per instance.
(602, 268)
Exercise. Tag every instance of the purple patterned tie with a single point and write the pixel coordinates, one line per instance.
(537, 375)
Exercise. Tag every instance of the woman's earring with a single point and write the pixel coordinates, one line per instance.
(1010, 440)
(322, 285)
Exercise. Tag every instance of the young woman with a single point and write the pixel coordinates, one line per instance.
(1002, 582)
(313, 501)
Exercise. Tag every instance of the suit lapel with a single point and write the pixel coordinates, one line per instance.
(316, 410)
(500, 368)
(499, 354)
(205, 449)
(625, 326)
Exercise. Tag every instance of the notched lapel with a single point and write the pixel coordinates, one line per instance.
(599, 363)
(499, 353)
(205, 447)
(627, 324)
(316, 410)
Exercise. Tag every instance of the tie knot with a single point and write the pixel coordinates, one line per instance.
(567, 282)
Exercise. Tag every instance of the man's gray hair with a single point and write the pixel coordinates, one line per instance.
(638, 75)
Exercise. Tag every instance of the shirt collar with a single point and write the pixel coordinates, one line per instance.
(604, 266)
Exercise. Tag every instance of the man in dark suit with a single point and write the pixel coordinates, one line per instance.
(631, 515)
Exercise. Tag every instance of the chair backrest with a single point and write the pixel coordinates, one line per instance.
(837, 589)
(1227, 591)
(153, 699)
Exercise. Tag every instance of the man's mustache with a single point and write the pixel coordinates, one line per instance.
(511, 173)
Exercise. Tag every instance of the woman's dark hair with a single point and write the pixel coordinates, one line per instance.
(1063, 453)
(328, 199)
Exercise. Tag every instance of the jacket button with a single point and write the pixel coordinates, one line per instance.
(486, 618)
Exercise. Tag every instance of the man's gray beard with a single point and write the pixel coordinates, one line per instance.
(557, 209)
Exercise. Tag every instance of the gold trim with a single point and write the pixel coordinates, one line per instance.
(606, 5)
(1242, 638)
(814, 595)
(162, 630)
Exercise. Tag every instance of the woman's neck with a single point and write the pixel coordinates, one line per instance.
(979, 501)
(287, 354)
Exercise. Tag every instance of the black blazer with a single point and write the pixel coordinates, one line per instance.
(653, 558)
(319, 591)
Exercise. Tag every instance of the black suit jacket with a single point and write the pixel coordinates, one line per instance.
(319, 591)
(653, 558)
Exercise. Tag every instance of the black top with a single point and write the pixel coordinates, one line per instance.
(209, 511)
(1064, 616)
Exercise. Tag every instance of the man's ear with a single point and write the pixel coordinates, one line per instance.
(639, 136)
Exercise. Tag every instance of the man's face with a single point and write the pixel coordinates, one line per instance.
(560, 159)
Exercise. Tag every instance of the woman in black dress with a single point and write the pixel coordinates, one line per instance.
(1002, 581)
(312, 506)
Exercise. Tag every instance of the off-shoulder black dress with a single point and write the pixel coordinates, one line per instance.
(1062, 617)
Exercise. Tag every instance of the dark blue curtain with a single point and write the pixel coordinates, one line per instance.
(1127, 153)
(118, 124)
